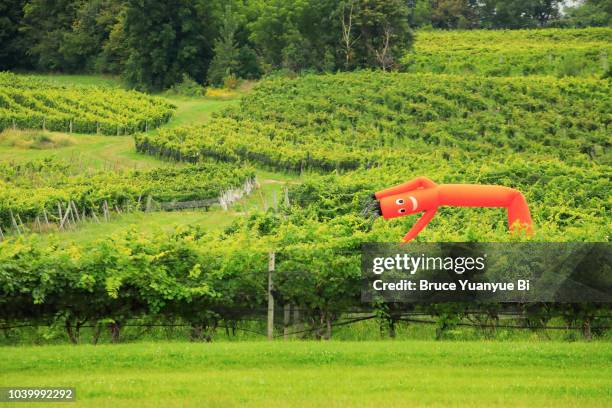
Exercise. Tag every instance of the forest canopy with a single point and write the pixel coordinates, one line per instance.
(154, 45)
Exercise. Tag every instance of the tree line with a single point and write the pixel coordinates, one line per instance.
(156, 44)
(509, 14)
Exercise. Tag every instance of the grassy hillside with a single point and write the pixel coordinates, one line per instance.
(334, 374)
(547, 137)
(29, 103)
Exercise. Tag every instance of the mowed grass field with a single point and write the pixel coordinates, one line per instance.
(320, 374)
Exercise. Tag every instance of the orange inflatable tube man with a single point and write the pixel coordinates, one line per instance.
(423, 195)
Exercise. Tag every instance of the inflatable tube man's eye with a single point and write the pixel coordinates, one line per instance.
(399, 201)
(402, 210)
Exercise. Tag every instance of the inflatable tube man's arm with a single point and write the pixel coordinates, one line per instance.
(419, 225)
(419, 182)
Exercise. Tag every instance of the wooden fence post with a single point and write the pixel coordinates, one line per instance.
(297, 325)
(46, 218)
(286, 320)
(72, 216)
(14, 222)
(76, 211)
(106, 214)
(271, 263)
(23, 228)
(93, 214)
(61, 216)
(63, 221)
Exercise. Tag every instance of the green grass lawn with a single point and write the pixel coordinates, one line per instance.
(93, 151)
(329, 374)
(147, 222)
(195, 111)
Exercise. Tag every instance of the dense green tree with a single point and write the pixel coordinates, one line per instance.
(462, 14)
(454, 14)
(248, 63)
(153, 44)
(325, 35)
(383, 32)
(420, 13)
(115, 51)
(166, 39)
(225, 61)
(589, 13)
(44, 25)
(82, 45)
(11, 48)
(518, 13)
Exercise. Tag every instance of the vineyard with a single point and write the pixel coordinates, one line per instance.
(49, 191)
(347, 135)
(560, 53)
(326, 123)
(530, 133)
(29, 103)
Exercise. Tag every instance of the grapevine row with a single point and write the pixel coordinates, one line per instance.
(203, 279)
(347, 121)
(556, 52)
(28, 103)
(36, 189)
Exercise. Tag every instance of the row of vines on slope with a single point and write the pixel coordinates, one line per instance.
(29, 103)
(547, 137)
(556, 52)
(347, 121)
(37, 188)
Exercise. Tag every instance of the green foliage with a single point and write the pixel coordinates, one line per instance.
(557, 52)
(589, 13)
(385, 129)
(248, 64)
(43, 28)
(154, 43)
(188, 87)
(166, 39)
(203, 279)
(29, 103)
(496, 14)
(28, 189)
(329, 35)
(355, 133)
(329, 122)
(12, 52)
(519, 13)
(225, 49)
